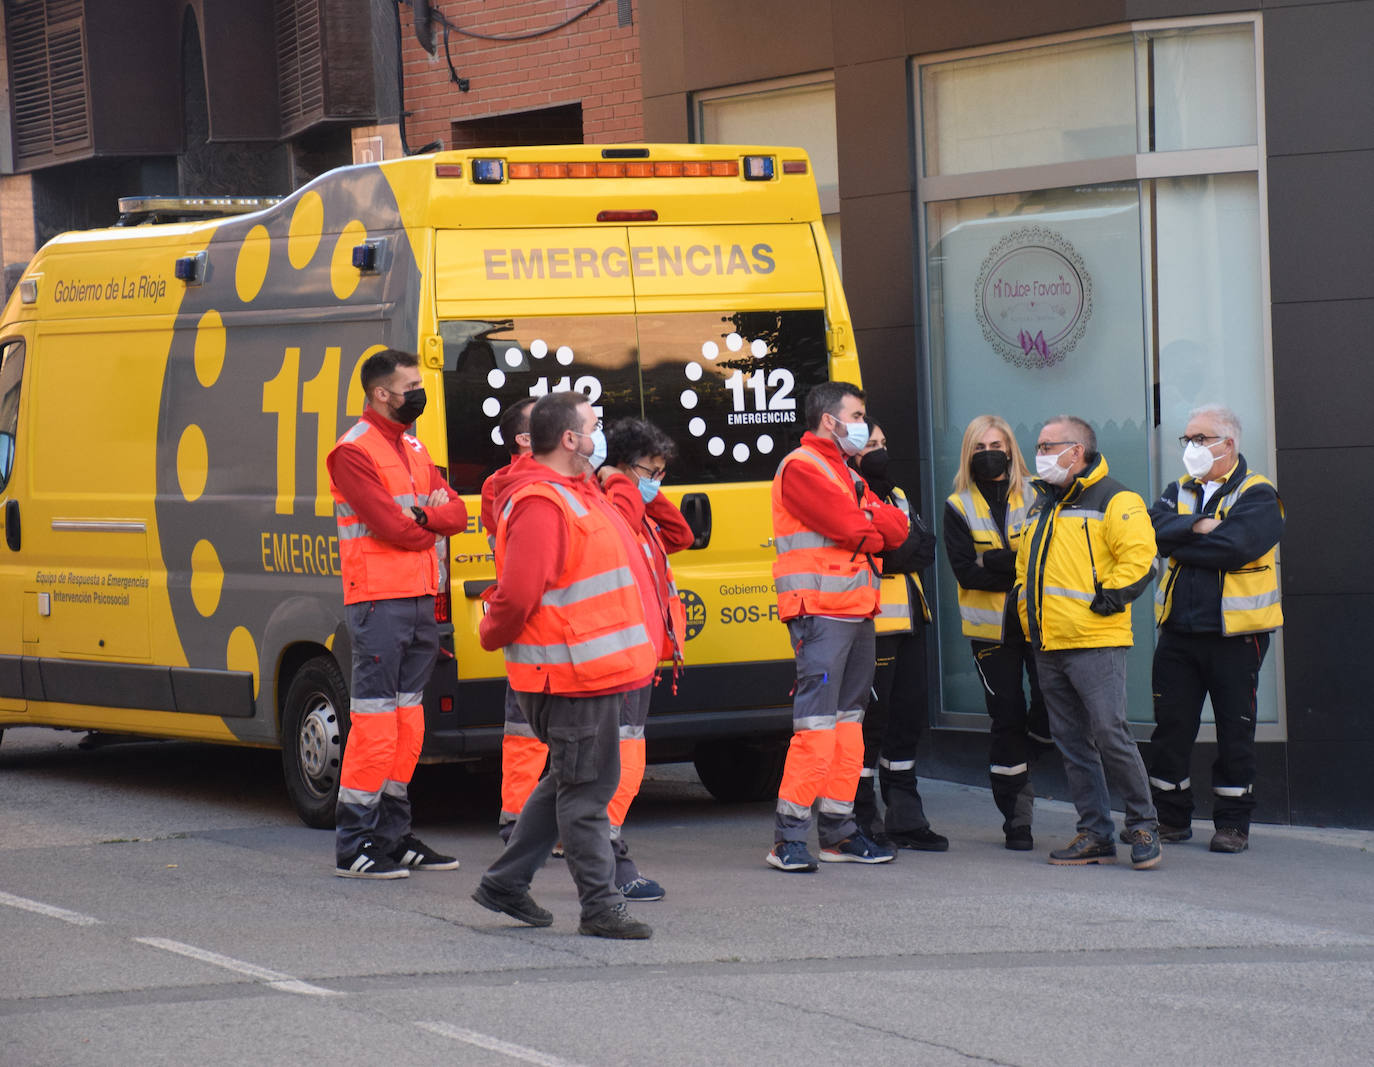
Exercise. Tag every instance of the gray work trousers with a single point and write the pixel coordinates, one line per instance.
(1085, 696)
(569, 803)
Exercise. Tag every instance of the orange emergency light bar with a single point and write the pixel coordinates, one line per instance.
(495, 171)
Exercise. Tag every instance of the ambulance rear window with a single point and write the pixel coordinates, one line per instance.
(729, 388)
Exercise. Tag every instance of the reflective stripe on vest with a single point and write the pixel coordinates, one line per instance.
(812, 574)
(374, 569)
(1250, 601)
(588, 633)
(982, 610)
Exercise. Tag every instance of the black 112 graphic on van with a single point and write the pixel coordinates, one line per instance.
(729, 388)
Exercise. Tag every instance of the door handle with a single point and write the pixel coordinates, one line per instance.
(696, 509)
(12, 524)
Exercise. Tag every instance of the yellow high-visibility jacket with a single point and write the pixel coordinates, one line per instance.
(1091, 543)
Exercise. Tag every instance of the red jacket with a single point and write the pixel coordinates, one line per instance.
(536, 551)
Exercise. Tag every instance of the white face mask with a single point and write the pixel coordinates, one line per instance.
(1198, 459)
(1048, 468)
(853, 437)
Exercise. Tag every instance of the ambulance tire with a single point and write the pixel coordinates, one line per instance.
(314, 725)
(735, 771)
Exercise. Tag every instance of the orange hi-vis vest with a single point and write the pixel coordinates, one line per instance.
(675, 615)
(372, 568)
(588, 634)
(813, 575)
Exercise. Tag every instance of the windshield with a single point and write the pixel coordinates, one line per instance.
(728, 387)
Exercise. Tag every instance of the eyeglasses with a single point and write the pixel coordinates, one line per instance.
(1044, 448)
(654, 474)
(1199, 439)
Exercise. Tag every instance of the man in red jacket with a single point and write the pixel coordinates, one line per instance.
(571, 611)
(828, 527)
(391, 505)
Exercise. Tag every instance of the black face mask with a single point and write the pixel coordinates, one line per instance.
(988, 466)
(874, 468)
(412, 405)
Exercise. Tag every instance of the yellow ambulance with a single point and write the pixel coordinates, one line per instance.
(170, 389)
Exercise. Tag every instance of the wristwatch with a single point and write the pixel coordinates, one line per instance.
(420, 517)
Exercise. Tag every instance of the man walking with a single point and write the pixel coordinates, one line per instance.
(828, 527)
(1088, 553)
(569, 610)
(1216, 605)
(391, 505)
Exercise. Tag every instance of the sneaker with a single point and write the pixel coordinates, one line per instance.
(415, 854)
(1084, 849)
(368, 862)
(1230, 839)
(517, 905)
(1019, 839)
(641, 889)
(857, 849)
(1145, 852)
(1166, 833)
(558, 852)
(618, 923)
(922, 840)
(791, 856)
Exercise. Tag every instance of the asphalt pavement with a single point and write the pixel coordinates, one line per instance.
(161, 904)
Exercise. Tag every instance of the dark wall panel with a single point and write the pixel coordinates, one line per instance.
(1328, 113)
(1321, 364)
(870, 30)
(872, 121)
(1324, 547)
(1328, 696)
(1320, 219)
(944, 26)
(877, 244)
(662, 49)
(666, 118)
(1329, 781)
(726, 42)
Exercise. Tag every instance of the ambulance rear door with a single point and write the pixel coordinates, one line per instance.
(13, 573)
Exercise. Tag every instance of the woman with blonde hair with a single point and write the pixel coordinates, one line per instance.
(984, 518)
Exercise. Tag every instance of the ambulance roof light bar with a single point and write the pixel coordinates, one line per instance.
(142, 210)
(498, 171)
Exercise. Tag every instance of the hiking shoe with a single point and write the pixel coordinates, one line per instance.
(1230, 839)
(1166, 833)
(1084, 849)
(922, 840)
(641, 889)
(1019, 839)
(517, 905)
(558, 852)
(415, 854)
(618, 923)
(857, 849)
(1145, 852)
(368, 862)
(791, 856)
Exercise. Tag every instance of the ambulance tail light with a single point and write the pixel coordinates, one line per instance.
(448, 170)
(794, 166)
(627, 216)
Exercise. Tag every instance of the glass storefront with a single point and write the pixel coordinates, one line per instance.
(1092, 215)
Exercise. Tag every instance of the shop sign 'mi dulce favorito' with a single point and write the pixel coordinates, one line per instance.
(1033, 298)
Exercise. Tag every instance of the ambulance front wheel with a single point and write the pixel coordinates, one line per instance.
(314, 724)
(734, 771)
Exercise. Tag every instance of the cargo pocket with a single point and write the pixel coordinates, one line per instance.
(576, 762)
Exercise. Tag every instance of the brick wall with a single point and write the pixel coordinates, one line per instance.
(16, 219)
(593, 61)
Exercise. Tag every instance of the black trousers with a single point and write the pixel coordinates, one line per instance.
(1188, 667)
(893, 724)
(1020, 731)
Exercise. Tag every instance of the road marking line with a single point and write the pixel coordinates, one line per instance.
(50, 910)
(275, 979)
(495, 1044)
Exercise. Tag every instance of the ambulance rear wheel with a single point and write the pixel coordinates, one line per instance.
(314, 725)
(738, 771)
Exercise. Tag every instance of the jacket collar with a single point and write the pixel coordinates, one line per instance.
(1233, 478)
(1094, 472)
